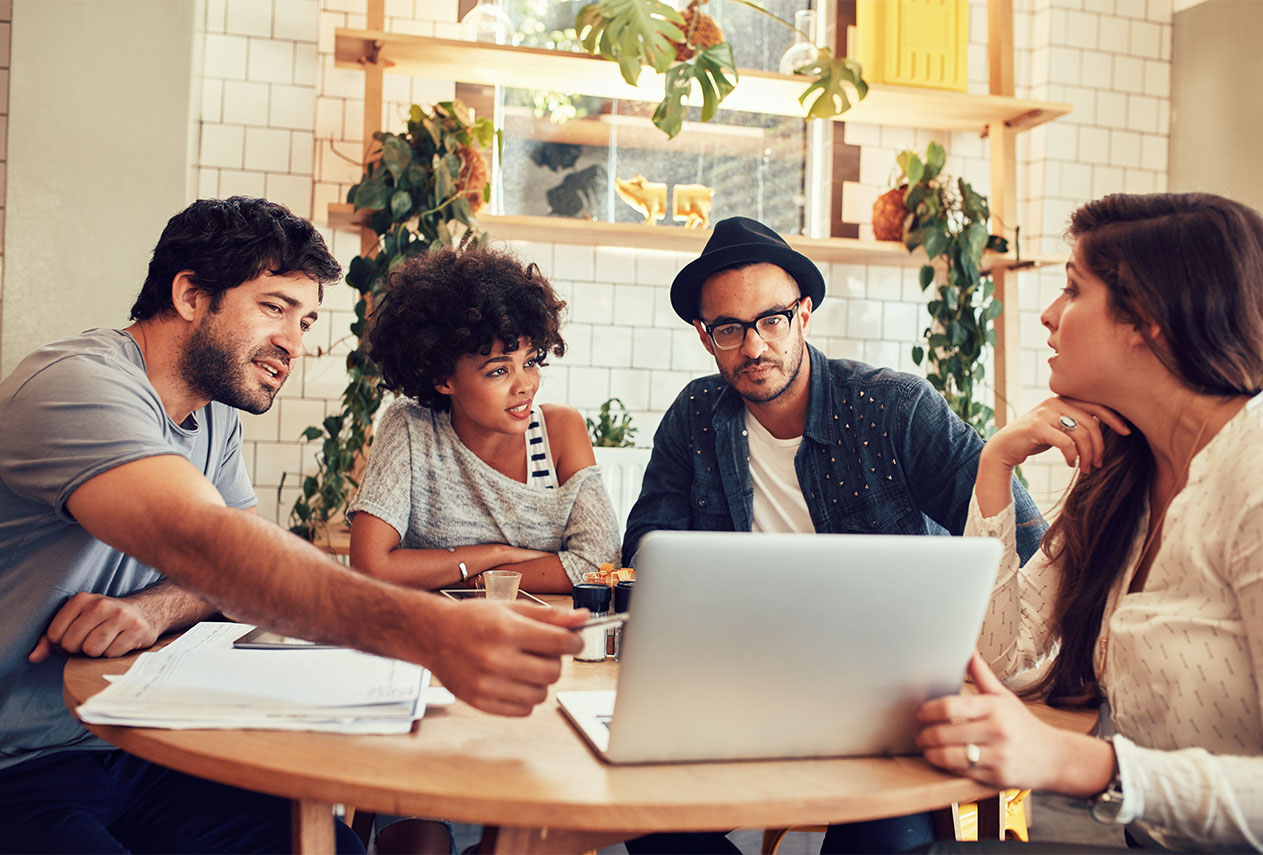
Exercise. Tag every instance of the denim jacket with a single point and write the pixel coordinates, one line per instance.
(881, 453)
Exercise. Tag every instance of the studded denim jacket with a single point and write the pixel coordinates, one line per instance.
(881, 454)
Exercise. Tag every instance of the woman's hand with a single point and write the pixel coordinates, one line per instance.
(1078, 437)
(1073, 427)
(993, 738)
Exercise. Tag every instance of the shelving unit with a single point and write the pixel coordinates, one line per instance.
(998, 116)
(638, 236)
(756, 91)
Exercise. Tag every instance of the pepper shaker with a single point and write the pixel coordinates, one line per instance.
(596, 599)
(622, 600)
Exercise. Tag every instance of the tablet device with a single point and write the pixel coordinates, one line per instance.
(480, 594)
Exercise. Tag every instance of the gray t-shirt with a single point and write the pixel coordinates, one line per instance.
(72, 410)
(434, 491)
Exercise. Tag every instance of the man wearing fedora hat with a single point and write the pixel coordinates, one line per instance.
(785, 439)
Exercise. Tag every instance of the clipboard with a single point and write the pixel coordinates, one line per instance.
(480, 593)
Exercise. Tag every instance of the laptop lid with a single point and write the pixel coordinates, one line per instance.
(747, 646)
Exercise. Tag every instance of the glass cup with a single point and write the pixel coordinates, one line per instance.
(502, 584)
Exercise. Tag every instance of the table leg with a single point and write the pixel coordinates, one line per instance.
(311, 826)
(947, 822)
(991, 817)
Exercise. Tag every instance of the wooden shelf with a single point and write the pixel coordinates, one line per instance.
(638, 236)
(636, 132)
(757, 91)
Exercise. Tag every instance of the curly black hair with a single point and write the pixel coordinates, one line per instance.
(450, 303)
(226, 242)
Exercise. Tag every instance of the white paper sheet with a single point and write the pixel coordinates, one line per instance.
(200, 681)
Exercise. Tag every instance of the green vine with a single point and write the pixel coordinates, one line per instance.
(949, 219)
(421, 190)
(638, 33)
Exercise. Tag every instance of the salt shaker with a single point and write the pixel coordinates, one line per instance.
(596, 599)
(622, 599)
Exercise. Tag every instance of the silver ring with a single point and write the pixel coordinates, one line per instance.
(973, 755)
(1067, 423)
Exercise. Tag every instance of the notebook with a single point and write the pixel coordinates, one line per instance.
(749, 646)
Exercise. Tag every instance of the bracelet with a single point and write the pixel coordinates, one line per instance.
(460, 565)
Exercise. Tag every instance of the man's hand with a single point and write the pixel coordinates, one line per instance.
(502, 658)
(97, 625)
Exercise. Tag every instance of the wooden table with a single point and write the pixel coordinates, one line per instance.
(534, 779)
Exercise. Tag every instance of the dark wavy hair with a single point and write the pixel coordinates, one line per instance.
(450, 303)
(226, 242)
(1191, 264)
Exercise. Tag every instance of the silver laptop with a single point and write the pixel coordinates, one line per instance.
(749, 646)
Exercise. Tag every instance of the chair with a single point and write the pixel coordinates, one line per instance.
(960, 821)
(622, 469)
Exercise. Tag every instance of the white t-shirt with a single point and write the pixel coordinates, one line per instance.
(778, 498)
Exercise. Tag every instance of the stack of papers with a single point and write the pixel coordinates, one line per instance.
(199, 681)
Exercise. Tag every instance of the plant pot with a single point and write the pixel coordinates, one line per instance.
(473, 176)
(700, 32)
(889, 214)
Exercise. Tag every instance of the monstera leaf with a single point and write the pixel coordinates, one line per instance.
(707, 68)
(831, 73)
(633, 32)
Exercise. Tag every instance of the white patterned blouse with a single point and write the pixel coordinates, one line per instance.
(1181, 662)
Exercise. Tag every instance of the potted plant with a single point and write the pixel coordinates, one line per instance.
(948, 218)
(622, 462)
(688, 47)
(421, 189)
(609, 430)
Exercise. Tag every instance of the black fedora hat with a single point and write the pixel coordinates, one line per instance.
(738, 241)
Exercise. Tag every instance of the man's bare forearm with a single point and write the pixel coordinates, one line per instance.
(293, 587)
(500, 660)
(170, 607)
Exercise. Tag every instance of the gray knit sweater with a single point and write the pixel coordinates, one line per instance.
(434, 491)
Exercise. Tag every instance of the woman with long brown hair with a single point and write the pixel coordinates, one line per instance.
(1148, 589)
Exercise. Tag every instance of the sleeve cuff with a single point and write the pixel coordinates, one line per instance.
(1131, 776)
(1002, 525)
(383, 513)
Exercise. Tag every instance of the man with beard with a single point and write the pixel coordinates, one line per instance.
(124, 502)
(784, 439)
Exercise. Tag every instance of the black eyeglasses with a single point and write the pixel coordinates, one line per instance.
(773, 326)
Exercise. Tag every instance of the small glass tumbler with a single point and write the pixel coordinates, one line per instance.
(502, 584)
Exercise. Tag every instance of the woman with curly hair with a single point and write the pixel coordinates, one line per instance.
(467, 472)
(1148, 588)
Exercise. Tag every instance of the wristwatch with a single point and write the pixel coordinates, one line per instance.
(1108, 805)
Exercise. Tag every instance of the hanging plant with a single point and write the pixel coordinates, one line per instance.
(689, 48)
(422, 188)
(948, 218)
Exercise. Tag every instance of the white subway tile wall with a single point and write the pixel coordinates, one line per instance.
(279, 119)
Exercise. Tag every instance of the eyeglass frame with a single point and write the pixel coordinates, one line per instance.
(746, 326)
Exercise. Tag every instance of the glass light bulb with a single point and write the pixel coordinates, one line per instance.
(487, 22)
(803, 51)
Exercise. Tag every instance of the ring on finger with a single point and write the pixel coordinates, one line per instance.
(1067, 423)
(973, 755)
